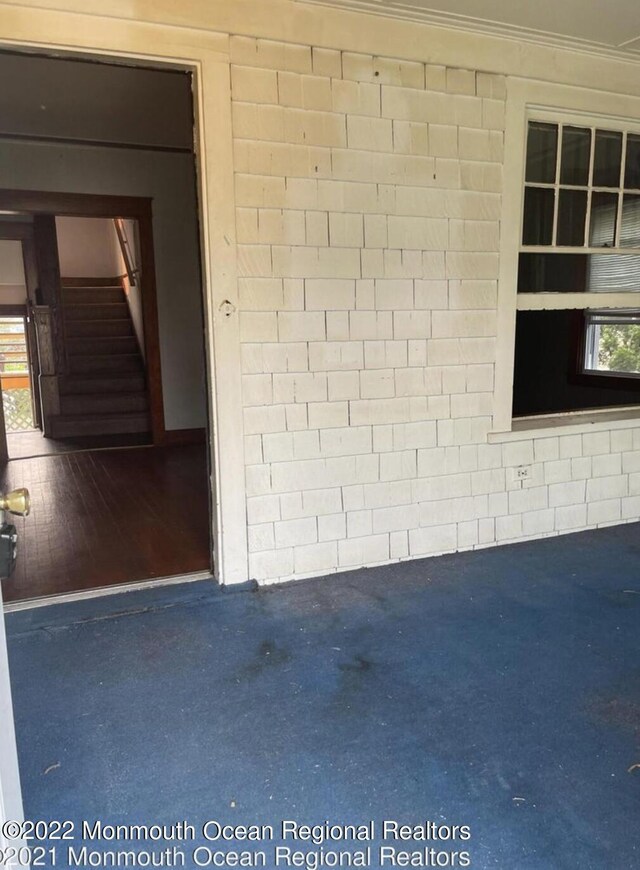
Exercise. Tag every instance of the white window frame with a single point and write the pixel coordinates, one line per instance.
(533, 100)
(592, 345)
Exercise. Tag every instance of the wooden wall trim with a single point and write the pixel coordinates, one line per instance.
(74, 204)
(19, 231)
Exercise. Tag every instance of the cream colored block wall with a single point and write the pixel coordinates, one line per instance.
(368, 195)
(376, 356)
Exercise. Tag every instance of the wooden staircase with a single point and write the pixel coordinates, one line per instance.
(103, 391)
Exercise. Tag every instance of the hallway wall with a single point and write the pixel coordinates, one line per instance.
(13, 289)
(129, 104)
(88, 248)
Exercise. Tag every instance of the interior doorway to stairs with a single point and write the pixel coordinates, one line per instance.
(19, 408)
(104, 396)
(102, 190)
(92, 327)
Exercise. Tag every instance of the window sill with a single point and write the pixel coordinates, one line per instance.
(573, 423)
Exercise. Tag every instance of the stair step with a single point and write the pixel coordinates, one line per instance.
(103, 403)
(98, 328)
(90, 281)
(95, 311)
(101, 383)
(73, 295)
(105, 365)
(109, 346)
(71, 425)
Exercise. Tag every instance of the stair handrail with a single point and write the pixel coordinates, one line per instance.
(127, 253)
(45, 324)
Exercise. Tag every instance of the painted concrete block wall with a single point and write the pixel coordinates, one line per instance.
(368, 195)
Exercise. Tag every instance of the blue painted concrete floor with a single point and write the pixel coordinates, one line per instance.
(497, 689)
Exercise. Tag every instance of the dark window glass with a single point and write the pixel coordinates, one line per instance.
(554, 273)
(632, 163)
(572, 211)
(576, 149)
(606, 160)
(578, 273)
(542, 149)
(547, 370)
(604, 216)
(538, 216)
(630, 229)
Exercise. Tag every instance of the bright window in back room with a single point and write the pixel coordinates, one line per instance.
(15, 379)
(578, 321)
(17, 397)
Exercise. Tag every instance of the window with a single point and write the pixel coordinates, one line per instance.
(612, 343)
(579, 268)
(581, 223)
(17, 398)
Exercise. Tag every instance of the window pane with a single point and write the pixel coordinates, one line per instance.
(554, 273)
(604, 216)
(579, 273)
(607, 156)
(632, 165)
(537, 226)
(576, 148)
(613, 347)
(630, 230)
(610, 273)
(542, 148)
(572, 211)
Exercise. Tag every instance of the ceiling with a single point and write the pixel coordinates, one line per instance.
(612, 26)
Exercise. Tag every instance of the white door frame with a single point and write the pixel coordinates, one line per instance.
(206, 55)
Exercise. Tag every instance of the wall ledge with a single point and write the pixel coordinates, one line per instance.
(576, 423)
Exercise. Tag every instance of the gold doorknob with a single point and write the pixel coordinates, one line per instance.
(16, 502)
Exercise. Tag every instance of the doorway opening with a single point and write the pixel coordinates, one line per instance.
(15, 377)
(108, 343)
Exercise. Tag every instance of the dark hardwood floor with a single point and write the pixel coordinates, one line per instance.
(108, 517)
(31, 442)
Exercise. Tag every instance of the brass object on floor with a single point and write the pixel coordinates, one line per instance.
(16, 502)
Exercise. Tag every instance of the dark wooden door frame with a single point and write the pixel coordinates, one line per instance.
(38, 202)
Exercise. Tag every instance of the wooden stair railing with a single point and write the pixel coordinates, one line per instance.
(44, 320)
(127, 253)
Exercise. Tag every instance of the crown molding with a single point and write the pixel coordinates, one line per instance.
(454, 21)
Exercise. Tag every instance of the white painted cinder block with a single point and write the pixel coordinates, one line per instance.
(369, 194)
(252, 85)
(438, 539)
(369, 550)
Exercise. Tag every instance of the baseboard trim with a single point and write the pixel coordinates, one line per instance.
(180, 437)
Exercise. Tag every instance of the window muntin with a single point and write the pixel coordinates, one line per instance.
(581, 205)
